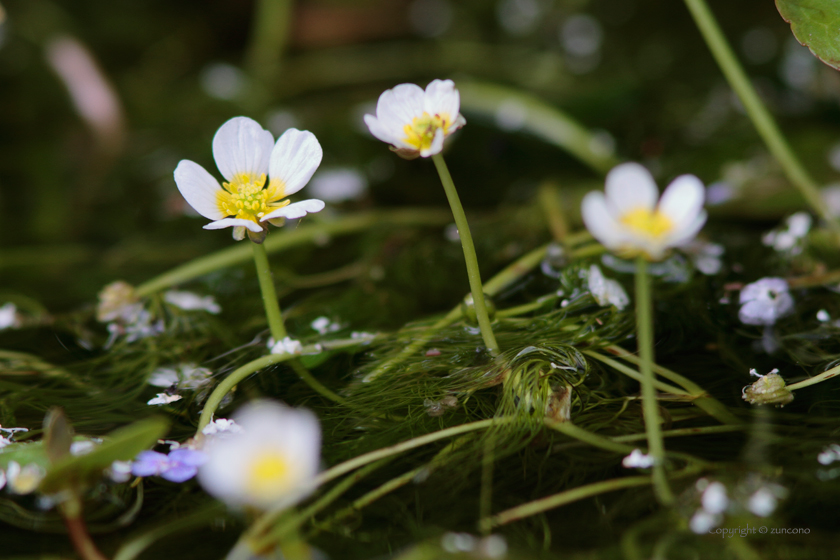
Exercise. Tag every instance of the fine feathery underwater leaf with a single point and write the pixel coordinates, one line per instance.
(122, 444)
(815, 24)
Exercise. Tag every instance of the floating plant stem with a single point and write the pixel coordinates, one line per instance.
(586, 436)
(71, 511)
(562, 498)
(650, 408)
(469, 255)
(633, 374)
(269, 295)
(254, 366)
(757, 112)
(827, 374)
(307, 233)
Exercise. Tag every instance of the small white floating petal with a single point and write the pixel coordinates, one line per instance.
(296, 210)
(242, 147)
(234, 222)
(163, 398)
(199, 188)
(630, 186)
(294, 159)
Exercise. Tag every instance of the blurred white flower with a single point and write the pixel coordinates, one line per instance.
(285, 346)
(789, 238)
(244, 153)
(189, 301)
(117, 300)
(705, 256)
(715, 499)
(23, 480)
(605, 290)
(185, 376)
(221, 426)
(8, 316)
(272, 463)
(629, 221)
(637, 460)
(702, 521)
(323, 325)
(163, 398)
(829, 454)
(338, 185)
(763, 501)
(765, 301)
(416, 122)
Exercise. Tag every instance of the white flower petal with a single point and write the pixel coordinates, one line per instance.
(682, 201)
(381, 130)
(241, 146)
(600, 222)
(199, 188)
(397, 107)
(296, 210)
(234, 222)
(294, 159)
(629, 187)
(441, 98)
(686, 231)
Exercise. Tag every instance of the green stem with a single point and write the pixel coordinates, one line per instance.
(269, 295)
(485, 502)
(307, 233)
(71, 512)
(269, 35)
(827, 374)
(563, 498)
(650, 408)
(251, 367)
(469, 254)
(758, 113)
(633, 374)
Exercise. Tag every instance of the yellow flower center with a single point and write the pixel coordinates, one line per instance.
(421, 131)
(269, 474)
(649, 223)
(245, 198)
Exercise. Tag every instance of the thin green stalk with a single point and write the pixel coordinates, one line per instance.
(827, 374)
(485, 501)
(269, 295)
(650, 408)
(306, 233)
(562, 498)
(502, 280)
(469, 255)
(633, 374)
(684, 432)
(269, 35)
(254, 366)
(586, 436)
(757, 112)
(268, 518)
(702, 399)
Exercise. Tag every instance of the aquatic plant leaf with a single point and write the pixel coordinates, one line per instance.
(122, 444)
(815, 24)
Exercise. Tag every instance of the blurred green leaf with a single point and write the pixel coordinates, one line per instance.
(58, 435)
(120, 445)
(815, 24)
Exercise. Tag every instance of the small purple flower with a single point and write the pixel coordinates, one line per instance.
(179, 466)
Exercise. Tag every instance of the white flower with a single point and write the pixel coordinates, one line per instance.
(221, 426)
(788, 239)
(702, 521)
(323, 325)
(286, 346)
(765, 301)
(606, 291)
(24, 480)
(763, 502)
(272, 463)
(714, 499)
(117, 300)
(638, 460)
(416, 122)
(705, 256)
(163, 398)
(185, 376)
(338, 185)
(189, 301)
(829, 454)
(628, 219)
(8, 316)
(244, 155)
(119, 471)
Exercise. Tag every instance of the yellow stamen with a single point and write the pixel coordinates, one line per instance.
(421, 131)
(245, 198)
(649, 223)
(269, 474)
